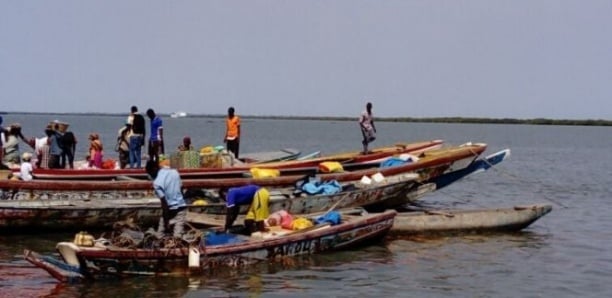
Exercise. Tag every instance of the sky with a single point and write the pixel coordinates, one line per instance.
(444, 58)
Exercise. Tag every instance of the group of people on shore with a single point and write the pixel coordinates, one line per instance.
(131, 139)
(57, 149)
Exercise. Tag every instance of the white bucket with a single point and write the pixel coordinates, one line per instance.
(194, 257)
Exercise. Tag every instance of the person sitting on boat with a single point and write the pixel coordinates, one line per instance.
(186, 145)
(26, 168)
(252, 195)
(167, 186)
(95, 151)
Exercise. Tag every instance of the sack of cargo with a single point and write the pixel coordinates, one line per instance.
(258, 173)
(185, 160)
(211, 160)
(83, 239)
(280, 218)
(301, 223)
(207, 149)
(330, 167)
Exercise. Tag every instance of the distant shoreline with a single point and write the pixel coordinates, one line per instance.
(471, 120)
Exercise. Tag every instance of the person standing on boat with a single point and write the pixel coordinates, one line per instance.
(68, 144)
(251, 194)
(137, 136)
(232, 132)
(55, 151)
(11, 147)
(96, 151)
(123, 145)
(167, 186)
(2, 134)
(368, 130)
(156, 141)
(41, 149)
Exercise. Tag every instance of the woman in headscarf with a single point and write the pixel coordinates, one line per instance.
(186, 145)
(95, 151)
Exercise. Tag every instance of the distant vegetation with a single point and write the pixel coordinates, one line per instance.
(536, 121)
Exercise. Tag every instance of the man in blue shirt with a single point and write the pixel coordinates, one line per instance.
(234, 198)
(156, 145)
(167, 186)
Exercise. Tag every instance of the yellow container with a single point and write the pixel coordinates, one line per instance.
(258, 173)
(331, 167)
(83, 239)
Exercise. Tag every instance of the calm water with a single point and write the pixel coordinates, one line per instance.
(565, 254)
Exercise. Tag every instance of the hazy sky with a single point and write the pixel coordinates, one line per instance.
(516, 59)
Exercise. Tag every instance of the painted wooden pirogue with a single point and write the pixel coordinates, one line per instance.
(351, 160)
(468, 221)
(68, 215)
(43, 215)
(215, 216)
(441, 181)
(87, 263)
(431, 164)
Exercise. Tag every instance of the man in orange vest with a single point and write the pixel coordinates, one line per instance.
(232, 133)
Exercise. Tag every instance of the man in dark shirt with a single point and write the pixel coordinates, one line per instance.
(137, 136)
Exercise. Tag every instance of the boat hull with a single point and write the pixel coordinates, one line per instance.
(351, 160)
(82, 263)
(468, 221)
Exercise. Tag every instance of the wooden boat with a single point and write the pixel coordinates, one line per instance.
(97, 213)
(103, 259)
(284, 154)
(468, 221)
(68, 215)
(479, 165)
(431, 164)
(350, 160)
(441, 181)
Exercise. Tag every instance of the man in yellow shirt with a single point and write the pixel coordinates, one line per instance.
(232, 132)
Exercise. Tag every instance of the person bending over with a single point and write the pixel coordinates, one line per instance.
(167, 186)
(245, 195)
